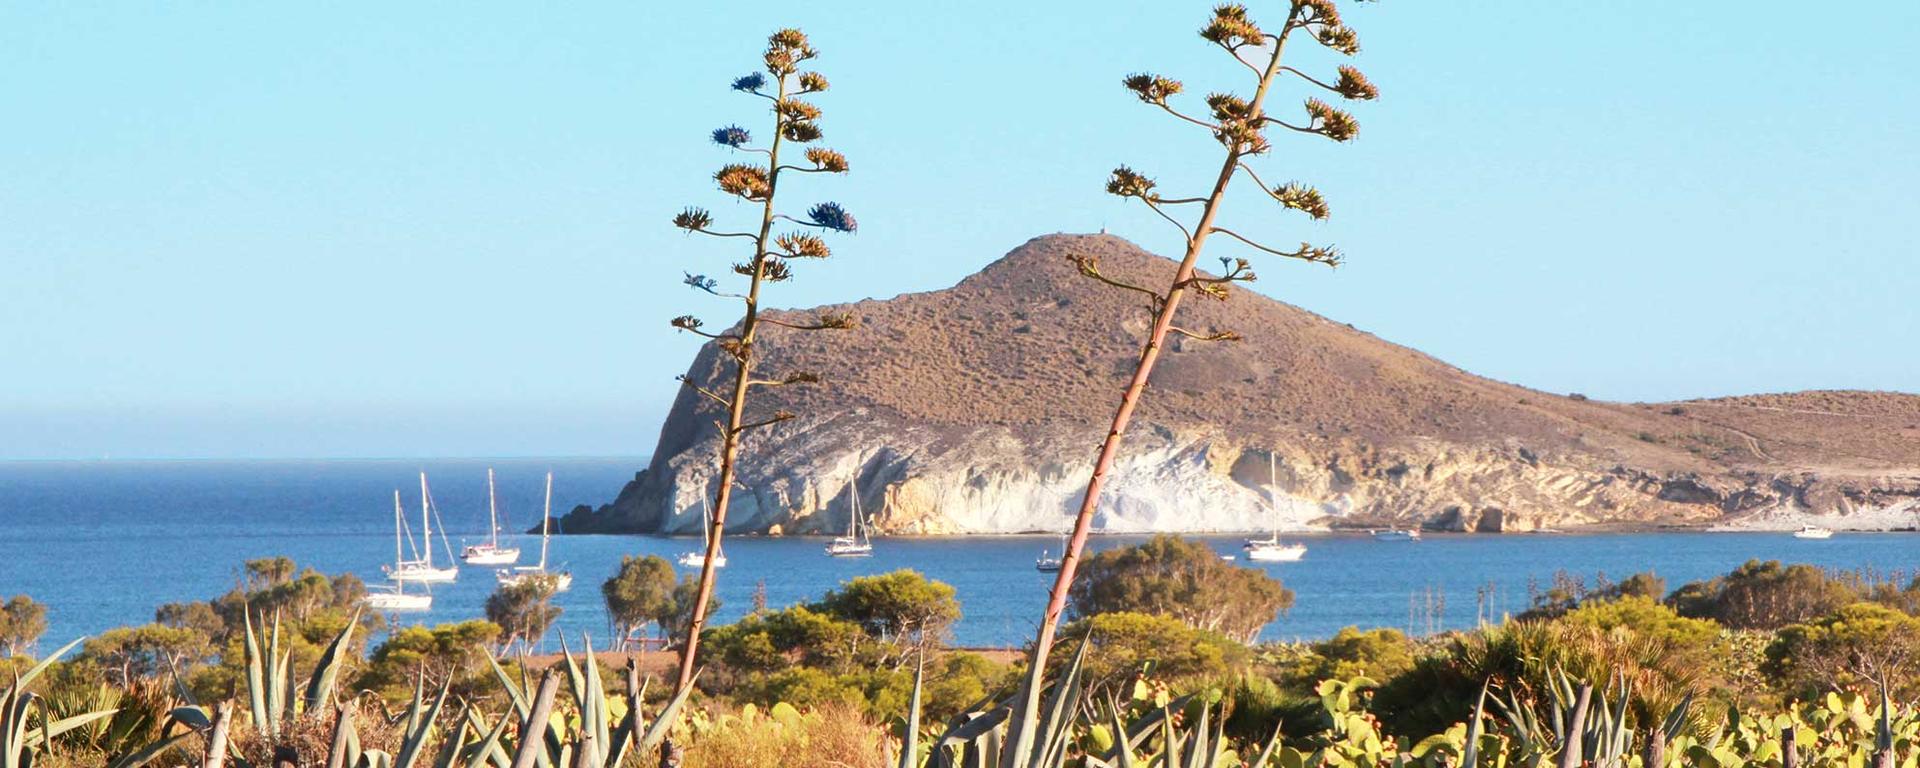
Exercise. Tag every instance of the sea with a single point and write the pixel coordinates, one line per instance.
(103, 543)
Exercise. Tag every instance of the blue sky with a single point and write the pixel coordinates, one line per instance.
(441, 228)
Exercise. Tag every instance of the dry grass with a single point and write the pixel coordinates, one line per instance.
(832, 736)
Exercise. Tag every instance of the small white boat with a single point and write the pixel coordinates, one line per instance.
(1048, 563)
(421, 568)
(699, 559)
(490, 552)
(394, 598)
(1813, 532)
(1271, 549)
(1397, 534)
(562, 580)
(859, 541)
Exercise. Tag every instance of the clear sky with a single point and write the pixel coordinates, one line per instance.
(438, 228)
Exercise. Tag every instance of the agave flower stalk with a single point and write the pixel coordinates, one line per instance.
(1240, 126)
(795, 121)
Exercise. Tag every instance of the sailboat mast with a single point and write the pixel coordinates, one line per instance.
(546, 519)
(493, 513)
(1273, 504)
(426, 520)
(398, 555)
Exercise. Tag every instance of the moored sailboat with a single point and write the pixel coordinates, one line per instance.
(394, 598)
(699, 559)
(1271, 549)
(490, 552)
(859, 541)
(423, 569)
(562, 580)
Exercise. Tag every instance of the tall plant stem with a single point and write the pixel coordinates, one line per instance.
(1130, 398)
(736, 411)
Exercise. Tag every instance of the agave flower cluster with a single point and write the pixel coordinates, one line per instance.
(787, 88)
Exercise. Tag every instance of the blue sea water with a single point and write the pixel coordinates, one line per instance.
(104, 543)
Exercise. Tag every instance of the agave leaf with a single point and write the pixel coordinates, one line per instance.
(419, 726)
(488, 751)
(657, 731)
(150, 752)
(20, 683)
(256, 677)
(39, 736)
(454, 743)
(910, 741)
(1051, 739)
(326, 672)
(1470, 752)
(596, 723)
(514, 690)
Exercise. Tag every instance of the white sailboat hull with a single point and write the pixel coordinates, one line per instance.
(422, 573)
(699, 560)
(846, 546)
(487, 554)
(562, 581)
(1271, 552)
(395, 601)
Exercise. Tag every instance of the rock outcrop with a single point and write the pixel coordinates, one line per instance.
(977, 409)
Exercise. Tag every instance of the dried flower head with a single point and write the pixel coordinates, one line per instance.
(731, 136)
(747, 181)
(751, 83)
(1243, 136)
(1126, 183)
(801, 245)
(832, 216)
(1327, 255)
(701, 282)
(687, 323)
(1355, 85)
(1151, 88)
(838, 321)
(1331, 122)
(827, 159)
(1341, 39)
(795, 109)
(1227, 106)
(812, 82)
(800, 132)
(693, 219)
(1302, 198)
(789, 39)
(800, 377)
(1231, 28)
(776, 271)
(1320, 12)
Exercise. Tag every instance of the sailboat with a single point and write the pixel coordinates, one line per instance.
(395, 597)
(562, 580)
(491, 553)
(423, 568)
(1271, 549)
(859, 541)
(699, 559)
(1048, 563)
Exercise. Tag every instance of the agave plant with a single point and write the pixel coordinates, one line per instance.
(605, 734)
(19, 739)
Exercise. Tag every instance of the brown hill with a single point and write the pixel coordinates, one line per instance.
(977, 408)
